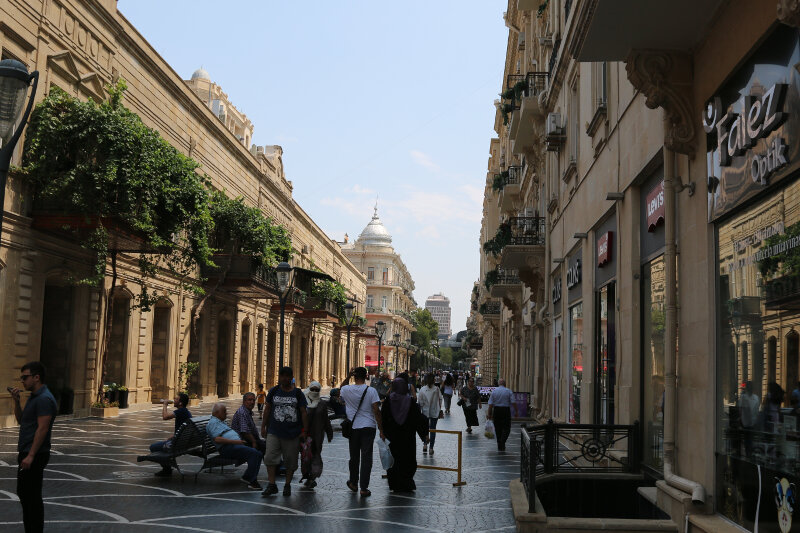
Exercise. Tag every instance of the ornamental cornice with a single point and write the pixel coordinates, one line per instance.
(789, 12)
(665, 80)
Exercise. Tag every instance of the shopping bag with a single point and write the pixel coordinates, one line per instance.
(387, 461)
(488, 429)
(306, 456)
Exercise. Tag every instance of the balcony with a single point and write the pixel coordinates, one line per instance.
(612, 28)
(509, 194)
(526, 111)
(527, 243)
(507, 282)
(490, 310)
(378, 310)
(320, 309)
(242, 275)
(379, 282)
(783, 294)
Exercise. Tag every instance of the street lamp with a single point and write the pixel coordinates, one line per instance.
(396, 351)
(284, 287)
(380, 329)
(349, 317)
(14, 82)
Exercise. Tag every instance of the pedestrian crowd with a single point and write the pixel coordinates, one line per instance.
(294, 424)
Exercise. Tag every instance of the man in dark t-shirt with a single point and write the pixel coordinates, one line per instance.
(181, 414)
(285, 420)
(35, 429)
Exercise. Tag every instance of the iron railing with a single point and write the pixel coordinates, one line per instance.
(507, 277)
(591, 449)
(533, 83)
(529, 231)
(490, 308)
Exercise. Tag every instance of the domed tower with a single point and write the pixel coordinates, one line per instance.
(375, 233)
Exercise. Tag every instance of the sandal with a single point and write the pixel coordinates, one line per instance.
(365, 493)
(352, 486)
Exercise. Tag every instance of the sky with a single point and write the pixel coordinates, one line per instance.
(370, 100)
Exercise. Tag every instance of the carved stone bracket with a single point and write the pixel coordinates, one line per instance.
(789, 12)
(665, 79)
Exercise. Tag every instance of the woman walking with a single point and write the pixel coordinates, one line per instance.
(447, 392)
(471, 402)
(318, 424)
(401, 420)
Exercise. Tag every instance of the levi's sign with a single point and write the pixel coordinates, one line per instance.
(738, 133)
(604, 249)
(655, 207)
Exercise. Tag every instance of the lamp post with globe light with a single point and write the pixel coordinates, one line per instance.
(396, 351)
(14, 83)
(380, 329)
(284, 274)
(349, 317)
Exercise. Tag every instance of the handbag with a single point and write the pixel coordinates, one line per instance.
(347, 424)
(387, 460)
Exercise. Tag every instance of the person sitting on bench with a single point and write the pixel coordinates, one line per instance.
(231, 445)
(181, 414)
(243, 423)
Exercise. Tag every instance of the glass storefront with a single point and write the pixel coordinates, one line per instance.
(606, 354)
(758, 398)
(575, 362)
(653, 314)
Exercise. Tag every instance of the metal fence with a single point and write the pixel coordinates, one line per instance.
(527, 231)
(589, 449)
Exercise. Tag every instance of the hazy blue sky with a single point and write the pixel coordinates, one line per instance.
(367, 98)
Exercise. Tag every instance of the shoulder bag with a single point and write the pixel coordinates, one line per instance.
(347, 424)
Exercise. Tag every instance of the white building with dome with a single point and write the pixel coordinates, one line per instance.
(389, 291)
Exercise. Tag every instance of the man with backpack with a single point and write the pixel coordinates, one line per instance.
(363, 412)
(285, 421)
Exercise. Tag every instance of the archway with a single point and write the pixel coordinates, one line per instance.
(195, 350)
(159, 351)
(272, 341)
(55, 351)
(244, 355)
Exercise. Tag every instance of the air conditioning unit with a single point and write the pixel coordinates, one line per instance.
(553, 125)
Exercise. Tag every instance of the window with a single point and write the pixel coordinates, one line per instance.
(371, 273)
(385, 276)
(576, 362)
(653, 302)
(384, 303)
(605, 362)
(599, 96)
(370, 301)
(574, 122)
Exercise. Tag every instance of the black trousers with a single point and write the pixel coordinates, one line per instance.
(29, 491)
(361, 442)
(502, 425)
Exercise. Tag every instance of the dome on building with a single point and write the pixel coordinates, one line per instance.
(375, 233)
(200, 74)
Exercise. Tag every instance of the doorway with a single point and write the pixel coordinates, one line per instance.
(116, 362)
(55, 352)
(223, 357)
(159, 352)
(244, 356)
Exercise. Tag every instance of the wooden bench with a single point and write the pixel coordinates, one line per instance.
(190, 439)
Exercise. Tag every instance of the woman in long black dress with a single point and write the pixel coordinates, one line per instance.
(401, 420)
(471, 402)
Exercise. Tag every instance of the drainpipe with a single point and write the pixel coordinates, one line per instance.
(542, 311)
(671, 322)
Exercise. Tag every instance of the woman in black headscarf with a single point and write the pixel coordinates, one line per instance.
(401, 419)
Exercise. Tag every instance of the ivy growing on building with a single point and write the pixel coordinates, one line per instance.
(501, 239)
(492, 277)
(333, 291)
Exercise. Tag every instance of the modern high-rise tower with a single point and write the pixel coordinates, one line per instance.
(439, 307)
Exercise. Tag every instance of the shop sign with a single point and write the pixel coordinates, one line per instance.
(574, 273)
(556, 290)
(655, 207)
(604, 248)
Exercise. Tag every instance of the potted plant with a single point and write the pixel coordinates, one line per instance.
(105, 409)
(110, 392)
(122, 396)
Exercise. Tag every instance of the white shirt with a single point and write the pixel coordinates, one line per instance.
(351, 394)
(430, 401)
(749, 409)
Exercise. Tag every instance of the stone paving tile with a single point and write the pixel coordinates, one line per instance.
(93, 483)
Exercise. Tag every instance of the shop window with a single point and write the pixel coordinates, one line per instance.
(605, 360)
(653, 315)
(576, 362)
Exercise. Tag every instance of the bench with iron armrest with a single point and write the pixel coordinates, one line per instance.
(190, 439)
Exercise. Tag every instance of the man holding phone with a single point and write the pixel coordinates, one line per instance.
(35, 428)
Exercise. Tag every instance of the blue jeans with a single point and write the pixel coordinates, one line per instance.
(432, 425)
(250, 455)
(158, 446)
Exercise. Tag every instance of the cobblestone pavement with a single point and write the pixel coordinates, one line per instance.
(93, 483)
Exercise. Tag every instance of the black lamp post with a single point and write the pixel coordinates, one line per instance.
(380, 329)
(349, 318)
(284, 287)
(14, 83)
(396, 351)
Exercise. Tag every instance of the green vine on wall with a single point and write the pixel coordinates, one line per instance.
(492, 277)
(501, 239)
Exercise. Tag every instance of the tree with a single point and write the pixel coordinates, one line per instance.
(446, 355)
(427, 329)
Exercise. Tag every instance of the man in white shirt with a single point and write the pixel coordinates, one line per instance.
(430, 403)
(363, 409)
(500, 410)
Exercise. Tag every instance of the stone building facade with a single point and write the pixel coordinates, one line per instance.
(80, 47)
(641, 203)
(390, 293)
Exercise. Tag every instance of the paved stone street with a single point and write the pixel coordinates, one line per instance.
(93, 483)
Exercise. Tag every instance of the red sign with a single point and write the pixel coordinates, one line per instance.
(655, 207)
(604, 248)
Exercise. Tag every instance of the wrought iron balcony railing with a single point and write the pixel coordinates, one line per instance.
(507, 277)
(520, 86)
(527, 231)
(577, 449)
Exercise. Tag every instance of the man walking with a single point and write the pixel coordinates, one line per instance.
(285, 420)
(35, 428)
(243, 423)
(231, 446)
(500, 412)
(363, 409)
(430, 403)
